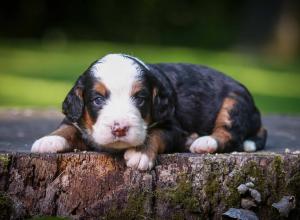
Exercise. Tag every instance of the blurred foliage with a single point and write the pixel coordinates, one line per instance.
(256, 42)
(40, 73)
(205, 24)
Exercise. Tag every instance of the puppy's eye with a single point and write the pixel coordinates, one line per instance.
(141, 97)
(98, 101)
(140, 101)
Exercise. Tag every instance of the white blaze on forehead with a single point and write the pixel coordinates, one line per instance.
(117, 72)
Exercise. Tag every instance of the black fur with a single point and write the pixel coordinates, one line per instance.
(73, 104)
(198, 93)
(163, 101)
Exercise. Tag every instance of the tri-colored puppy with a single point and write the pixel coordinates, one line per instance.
(122, 104)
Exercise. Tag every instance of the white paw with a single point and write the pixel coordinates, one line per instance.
(138, 159)
(190, 139)
(50, 144)
(205, 144)
(249, 146)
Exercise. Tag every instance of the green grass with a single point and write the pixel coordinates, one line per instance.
(39, 74)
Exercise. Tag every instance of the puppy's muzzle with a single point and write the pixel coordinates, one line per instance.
(118, 130)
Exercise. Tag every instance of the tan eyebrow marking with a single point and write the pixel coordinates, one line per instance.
(101, 88)
(136, 87)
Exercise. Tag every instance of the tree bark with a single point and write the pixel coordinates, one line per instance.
(181, 186)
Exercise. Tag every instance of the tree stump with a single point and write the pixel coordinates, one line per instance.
(181, 186)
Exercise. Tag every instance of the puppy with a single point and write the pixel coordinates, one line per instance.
(122, 104)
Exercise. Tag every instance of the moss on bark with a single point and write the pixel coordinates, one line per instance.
(5, 206)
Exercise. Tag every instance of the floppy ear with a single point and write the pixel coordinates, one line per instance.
(73, 103)
(162, 104)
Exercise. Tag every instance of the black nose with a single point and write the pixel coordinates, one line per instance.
(119, 131)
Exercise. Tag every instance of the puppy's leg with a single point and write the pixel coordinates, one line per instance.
(232, 124)
(64, 139)
(143, 158)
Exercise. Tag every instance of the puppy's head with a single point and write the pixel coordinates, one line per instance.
(115, 101)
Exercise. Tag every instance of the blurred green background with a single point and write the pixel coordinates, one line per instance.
(46, 45)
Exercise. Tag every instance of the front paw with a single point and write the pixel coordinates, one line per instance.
(139, 159)
(205, 144)
(50, 144)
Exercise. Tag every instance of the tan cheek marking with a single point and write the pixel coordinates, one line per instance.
(101, 88)
(223, 121)
(87, 120)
